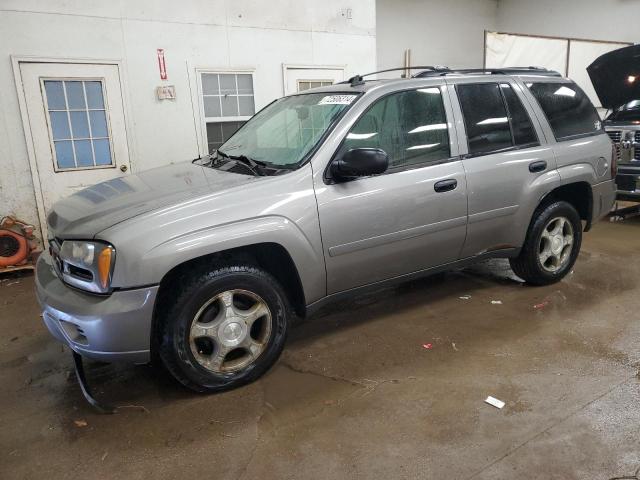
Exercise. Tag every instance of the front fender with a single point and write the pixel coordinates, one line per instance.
(271, 229)
(151, 266)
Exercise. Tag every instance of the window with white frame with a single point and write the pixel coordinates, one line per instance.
(78, 124)
(308, 84)
(228, 102)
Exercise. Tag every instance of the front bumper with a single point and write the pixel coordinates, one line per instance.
(106, 328)
(628, 182)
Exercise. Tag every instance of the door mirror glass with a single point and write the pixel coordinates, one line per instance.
(359, 162)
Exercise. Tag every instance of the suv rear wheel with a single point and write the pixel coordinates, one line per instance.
(552, 244)
(225, 328)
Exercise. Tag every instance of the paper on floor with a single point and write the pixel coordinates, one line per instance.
(495, 402)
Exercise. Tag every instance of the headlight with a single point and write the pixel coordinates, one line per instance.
(87, 265)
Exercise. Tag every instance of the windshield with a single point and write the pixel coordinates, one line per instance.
(282, 134)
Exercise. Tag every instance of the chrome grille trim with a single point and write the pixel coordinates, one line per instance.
(615, 135)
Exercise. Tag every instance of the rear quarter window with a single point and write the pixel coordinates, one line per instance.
(569, 111)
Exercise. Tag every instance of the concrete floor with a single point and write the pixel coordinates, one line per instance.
(356, 395)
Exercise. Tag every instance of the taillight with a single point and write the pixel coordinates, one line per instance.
(614, 161)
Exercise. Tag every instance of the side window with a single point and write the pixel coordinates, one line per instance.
(485, 117)
(521, 126)
(411, 126)
(568, 109)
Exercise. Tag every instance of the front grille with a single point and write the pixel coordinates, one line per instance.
(626, 182)
(615, 135)
(618, 150)
(636, 154)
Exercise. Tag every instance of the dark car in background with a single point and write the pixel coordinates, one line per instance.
(616, 79)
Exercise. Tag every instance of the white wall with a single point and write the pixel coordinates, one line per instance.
(194, 33)
(438, 32)
(613, 20)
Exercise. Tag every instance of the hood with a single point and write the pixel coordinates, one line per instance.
(87, 212)
(616, 76)
(628, 114)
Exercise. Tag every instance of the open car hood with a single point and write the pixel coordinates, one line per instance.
(616, 76)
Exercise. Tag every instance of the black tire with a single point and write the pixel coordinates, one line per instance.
(190, 295)
(528, 265)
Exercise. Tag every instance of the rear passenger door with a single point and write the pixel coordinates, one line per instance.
(409, 218)
(508, 167)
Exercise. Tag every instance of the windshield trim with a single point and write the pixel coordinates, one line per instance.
(307, 157)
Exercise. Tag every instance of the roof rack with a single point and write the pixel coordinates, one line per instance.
(359, 79)
(437, 70)
(491, 71)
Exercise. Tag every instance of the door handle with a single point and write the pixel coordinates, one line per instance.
(445, 185)
(539, 166)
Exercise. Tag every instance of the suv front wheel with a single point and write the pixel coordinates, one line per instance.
(224, 328)
(552, 244)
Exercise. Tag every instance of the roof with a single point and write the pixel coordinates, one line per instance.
(357, 83)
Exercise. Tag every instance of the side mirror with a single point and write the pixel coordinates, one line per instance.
(359, 162)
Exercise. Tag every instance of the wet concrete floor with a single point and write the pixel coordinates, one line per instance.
(356, 394)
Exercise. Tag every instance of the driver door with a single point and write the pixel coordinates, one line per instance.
(412, 217)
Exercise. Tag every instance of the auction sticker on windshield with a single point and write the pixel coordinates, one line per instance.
(337, 100)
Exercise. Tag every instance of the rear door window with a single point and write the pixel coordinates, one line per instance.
(523, 132)
(569, 111)
(485, 117)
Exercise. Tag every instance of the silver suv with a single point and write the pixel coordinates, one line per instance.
(322, 194)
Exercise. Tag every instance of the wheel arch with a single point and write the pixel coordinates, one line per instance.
(579, 194)
(269, 256)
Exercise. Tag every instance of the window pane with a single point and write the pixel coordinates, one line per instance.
(84, 156)
(64, 154)
(567, 108)
(245, 84)
(485, 117)
(98, 123)
(219, 132)
(411, 127)
(212, 106)
(79, 124)
(523, 131)
(75, 95)
(79, 131)
(55, 95)
(59, 125)
(214, 132)
(247, 107)
(229, 106)
(103, 152)
(229, 128)
(94, 94)
(227, 84)
(210, 84)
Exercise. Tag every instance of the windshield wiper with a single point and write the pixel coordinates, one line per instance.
(250, 163)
